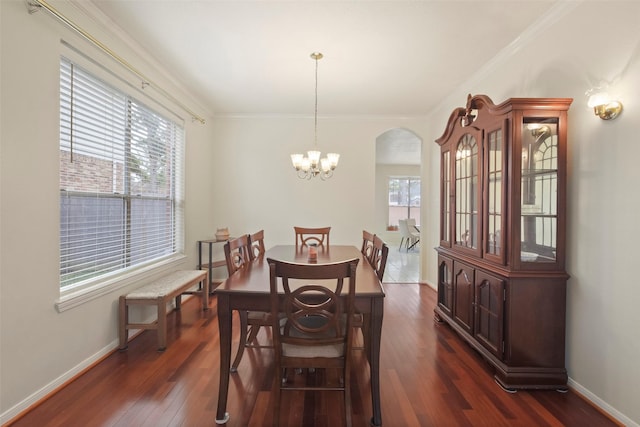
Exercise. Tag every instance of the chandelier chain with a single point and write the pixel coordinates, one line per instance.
(312, 165)
(315, 129)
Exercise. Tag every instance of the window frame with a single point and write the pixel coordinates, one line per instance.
(82, 291)
(408, 205)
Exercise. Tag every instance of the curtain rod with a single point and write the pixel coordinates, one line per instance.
(35, 5)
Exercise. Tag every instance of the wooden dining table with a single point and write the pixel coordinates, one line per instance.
(248, 289)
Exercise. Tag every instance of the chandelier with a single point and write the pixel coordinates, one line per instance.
(312, 165)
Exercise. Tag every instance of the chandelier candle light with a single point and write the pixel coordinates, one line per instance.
(312, 166)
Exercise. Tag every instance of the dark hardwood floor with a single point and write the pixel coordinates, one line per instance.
(429, 377)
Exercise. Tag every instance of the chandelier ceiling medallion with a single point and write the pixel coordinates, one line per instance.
(312, 165)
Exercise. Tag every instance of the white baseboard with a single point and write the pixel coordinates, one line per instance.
(604, 406)
(45, 391)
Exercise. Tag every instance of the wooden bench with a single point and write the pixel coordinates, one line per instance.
(159, 293)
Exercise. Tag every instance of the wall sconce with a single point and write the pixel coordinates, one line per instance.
(602, 104)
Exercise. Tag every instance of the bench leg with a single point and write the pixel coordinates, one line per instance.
(162, 324)
(123, 317)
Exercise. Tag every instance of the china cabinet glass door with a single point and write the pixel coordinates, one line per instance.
(466, 193)
(539, 191)
(494, 173)
(445, 202)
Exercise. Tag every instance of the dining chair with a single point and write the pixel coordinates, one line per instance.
(256, 244)
(414, 231)
(367, 244)
(379, 255)
(316, 329)
(375, 251)
(238, 252)
(411, 223)
(408, 237)
(306, 236)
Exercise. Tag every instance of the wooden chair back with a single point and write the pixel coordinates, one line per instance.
(237, 253)
(306, 236)
(256, 245)
(367, 244)
(312, 322)
(379, 255)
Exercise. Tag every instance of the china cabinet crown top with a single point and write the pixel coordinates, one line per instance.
(465, 116)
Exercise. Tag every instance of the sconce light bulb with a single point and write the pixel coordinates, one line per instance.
(598, 98)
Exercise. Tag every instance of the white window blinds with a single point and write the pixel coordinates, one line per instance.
(120, 180)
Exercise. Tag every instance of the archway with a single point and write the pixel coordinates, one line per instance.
(398, 164)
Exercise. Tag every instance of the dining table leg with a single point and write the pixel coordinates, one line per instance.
(224, 325)
(373, 348)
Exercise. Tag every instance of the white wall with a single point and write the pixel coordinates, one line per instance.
(564, 57)
(256, 186)
(239, 176)
(41, 348)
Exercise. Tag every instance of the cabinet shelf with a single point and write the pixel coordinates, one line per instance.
(529, 173)
(539, 215)
(214, 264)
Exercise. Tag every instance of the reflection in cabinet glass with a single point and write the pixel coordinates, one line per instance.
(539, 195)
(501, 278)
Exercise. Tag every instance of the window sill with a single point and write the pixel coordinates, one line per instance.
(75, 298)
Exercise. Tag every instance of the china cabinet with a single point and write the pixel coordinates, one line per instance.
(501, 257)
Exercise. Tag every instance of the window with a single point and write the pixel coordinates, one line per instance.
(404, 199)
(120, 181)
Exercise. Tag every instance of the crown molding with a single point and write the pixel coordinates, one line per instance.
(557, 11)
(111, 27)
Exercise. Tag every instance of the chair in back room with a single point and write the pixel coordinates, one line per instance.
(409, 236)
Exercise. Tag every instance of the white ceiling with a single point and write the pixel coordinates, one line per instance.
(381, 58)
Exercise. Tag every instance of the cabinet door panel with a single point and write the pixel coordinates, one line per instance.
(463, 295)
(445, 285)
(489, 310)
